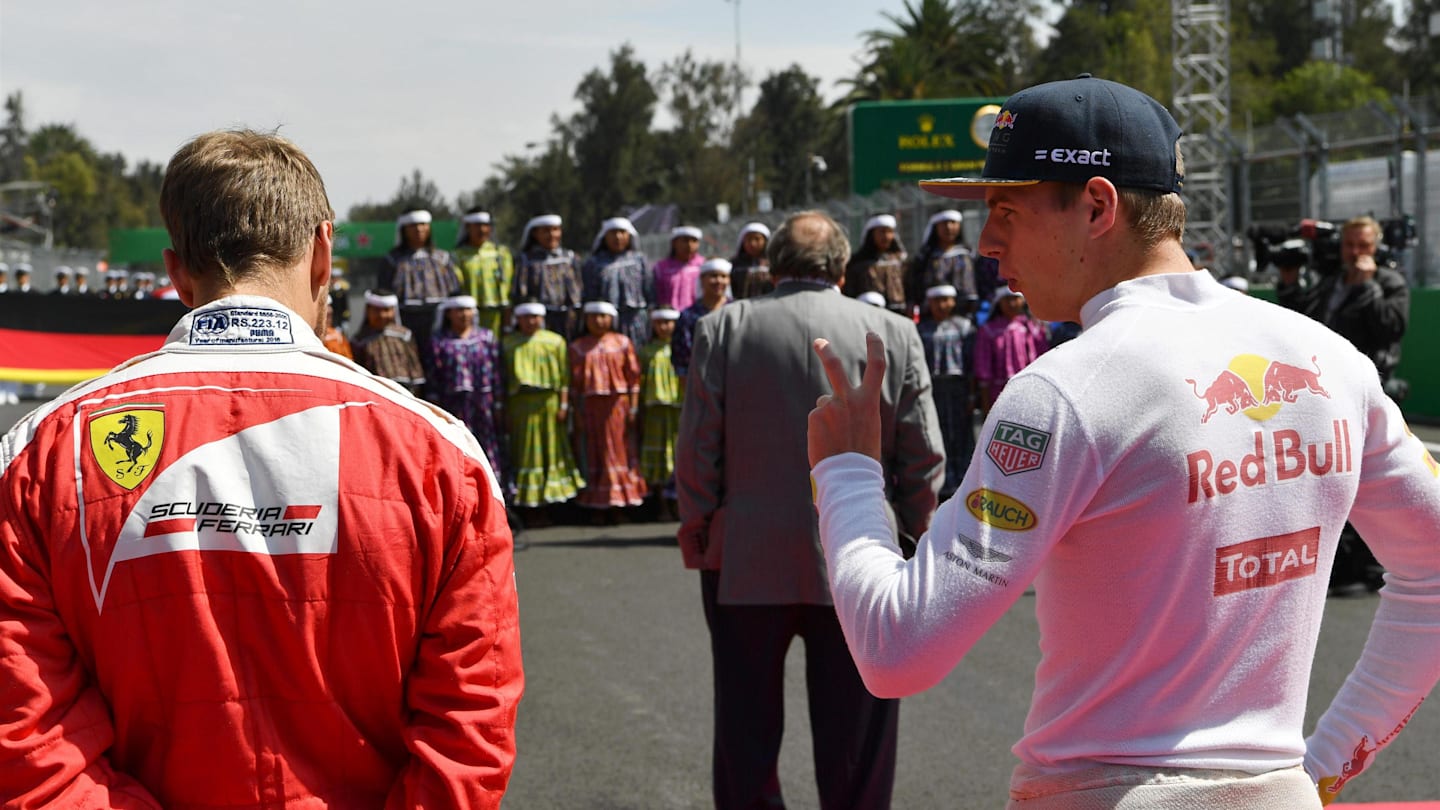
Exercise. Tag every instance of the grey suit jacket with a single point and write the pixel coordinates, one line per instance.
(741, 468)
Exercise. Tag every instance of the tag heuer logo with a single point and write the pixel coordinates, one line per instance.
(126, 442)
(1016, 448)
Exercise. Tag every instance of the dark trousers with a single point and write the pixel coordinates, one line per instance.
(853, 732)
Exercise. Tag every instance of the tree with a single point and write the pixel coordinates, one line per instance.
(1126, 41)
(787, 125)
(613, 145)
(1419, 52)
(1321, 87)
(939, 50)
(700, 170)
(415, 191)
(13, 139)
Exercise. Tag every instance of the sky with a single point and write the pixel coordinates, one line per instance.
(373, 90)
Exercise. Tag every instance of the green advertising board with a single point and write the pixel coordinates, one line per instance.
(907, 141)
(353, 240)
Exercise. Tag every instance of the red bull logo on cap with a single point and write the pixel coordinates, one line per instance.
(1005, 120)
(1257, 387)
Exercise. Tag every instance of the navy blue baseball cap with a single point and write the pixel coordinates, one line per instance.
(1071, 131)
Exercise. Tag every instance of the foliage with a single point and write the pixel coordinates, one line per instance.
(88, 192)
(416, 191)
(939, 50)
(672, 134)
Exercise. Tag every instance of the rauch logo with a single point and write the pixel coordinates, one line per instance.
(1000, 510)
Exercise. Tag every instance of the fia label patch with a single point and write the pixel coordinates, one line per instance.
(236, 326)
(1016, 448)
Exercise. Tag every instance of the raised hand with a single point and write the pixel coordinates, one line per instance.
(848, 420)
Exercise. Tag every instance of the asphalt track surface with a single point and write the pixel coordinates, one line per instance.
(617, 707)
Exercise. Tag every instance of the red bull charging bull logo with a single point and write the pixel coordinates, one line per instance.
(1258, 387)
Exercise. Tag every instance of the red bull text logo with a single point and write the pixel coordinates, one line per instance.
(1257, 387)
(1000, 510)
(1266, 561)
(1293, 458)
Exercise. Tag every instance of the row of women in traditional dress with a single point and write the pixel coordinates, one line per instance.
(516, 392)
(549, 273)
(941, 287)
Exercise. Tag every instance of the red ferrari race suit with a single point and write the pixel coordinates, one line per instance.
(242, 572)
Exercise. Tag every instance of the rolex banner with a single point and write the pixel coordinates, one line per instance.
(65, 339)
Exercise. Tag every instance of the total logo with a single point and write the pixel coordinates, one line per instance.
(1266, 561)
(1257, 387)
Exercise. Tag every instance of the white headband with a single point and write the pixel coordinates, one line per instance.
(601, 308)
(417, 217)
(880, 221)
(686, 230)
(477, 218)
(948, 215)
(543, 221)
(532, 308)
(459, 302)
(613, 224)
(381, 301)
(753, 227)
(942, 291)
(664, 314)
(872, 298)
(716, 266)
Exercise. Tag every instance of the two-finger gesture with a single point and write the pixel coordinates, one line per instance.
(848, 420)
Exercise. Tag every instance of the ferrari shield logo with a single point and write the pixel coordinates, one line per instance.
(126, 442)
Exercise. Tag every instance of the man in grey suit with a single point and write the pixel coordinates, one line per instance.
(749, 525)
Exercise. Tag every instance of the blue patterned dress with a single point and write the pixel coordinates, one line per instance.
(466, 379)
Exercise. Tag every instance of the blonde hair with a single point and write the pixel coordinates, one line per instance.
(1153, 216)
(1363, 222)
(239, 201)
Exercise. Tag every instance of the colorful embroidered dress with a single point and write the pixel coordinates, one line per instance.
(487, 273)
(542, 467)
(466, 380)
(677, 283)
(551, 277)
(626, 282)
(660, 400)
(604, 374)
(389, 352)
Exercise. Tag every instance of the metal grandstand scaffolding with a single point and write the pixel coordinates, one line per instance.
(1201, 39)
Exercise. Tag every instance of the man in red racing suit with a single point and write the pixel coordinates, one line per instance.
(242, 572)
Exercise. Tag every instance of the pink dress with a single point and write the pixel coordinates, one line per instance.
(603, 372)
(1003, 347)
(677, 283)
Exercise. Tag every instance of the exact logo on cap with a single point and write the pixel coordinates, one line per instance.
(1083, 157)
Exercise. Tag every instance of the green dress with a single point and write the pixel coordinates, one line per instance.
(487, 273)
(660, 398)
(536, 369)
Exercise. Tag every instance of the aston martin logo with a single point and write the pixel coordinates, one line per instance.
(982, 553)
(126, 442)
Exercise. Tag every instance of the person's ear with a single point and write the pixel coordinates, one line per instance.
(320, 259)
(180, 277)
(1102, 200)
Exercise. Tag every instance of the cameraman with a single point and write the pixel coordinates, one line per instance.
(1367, 304)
